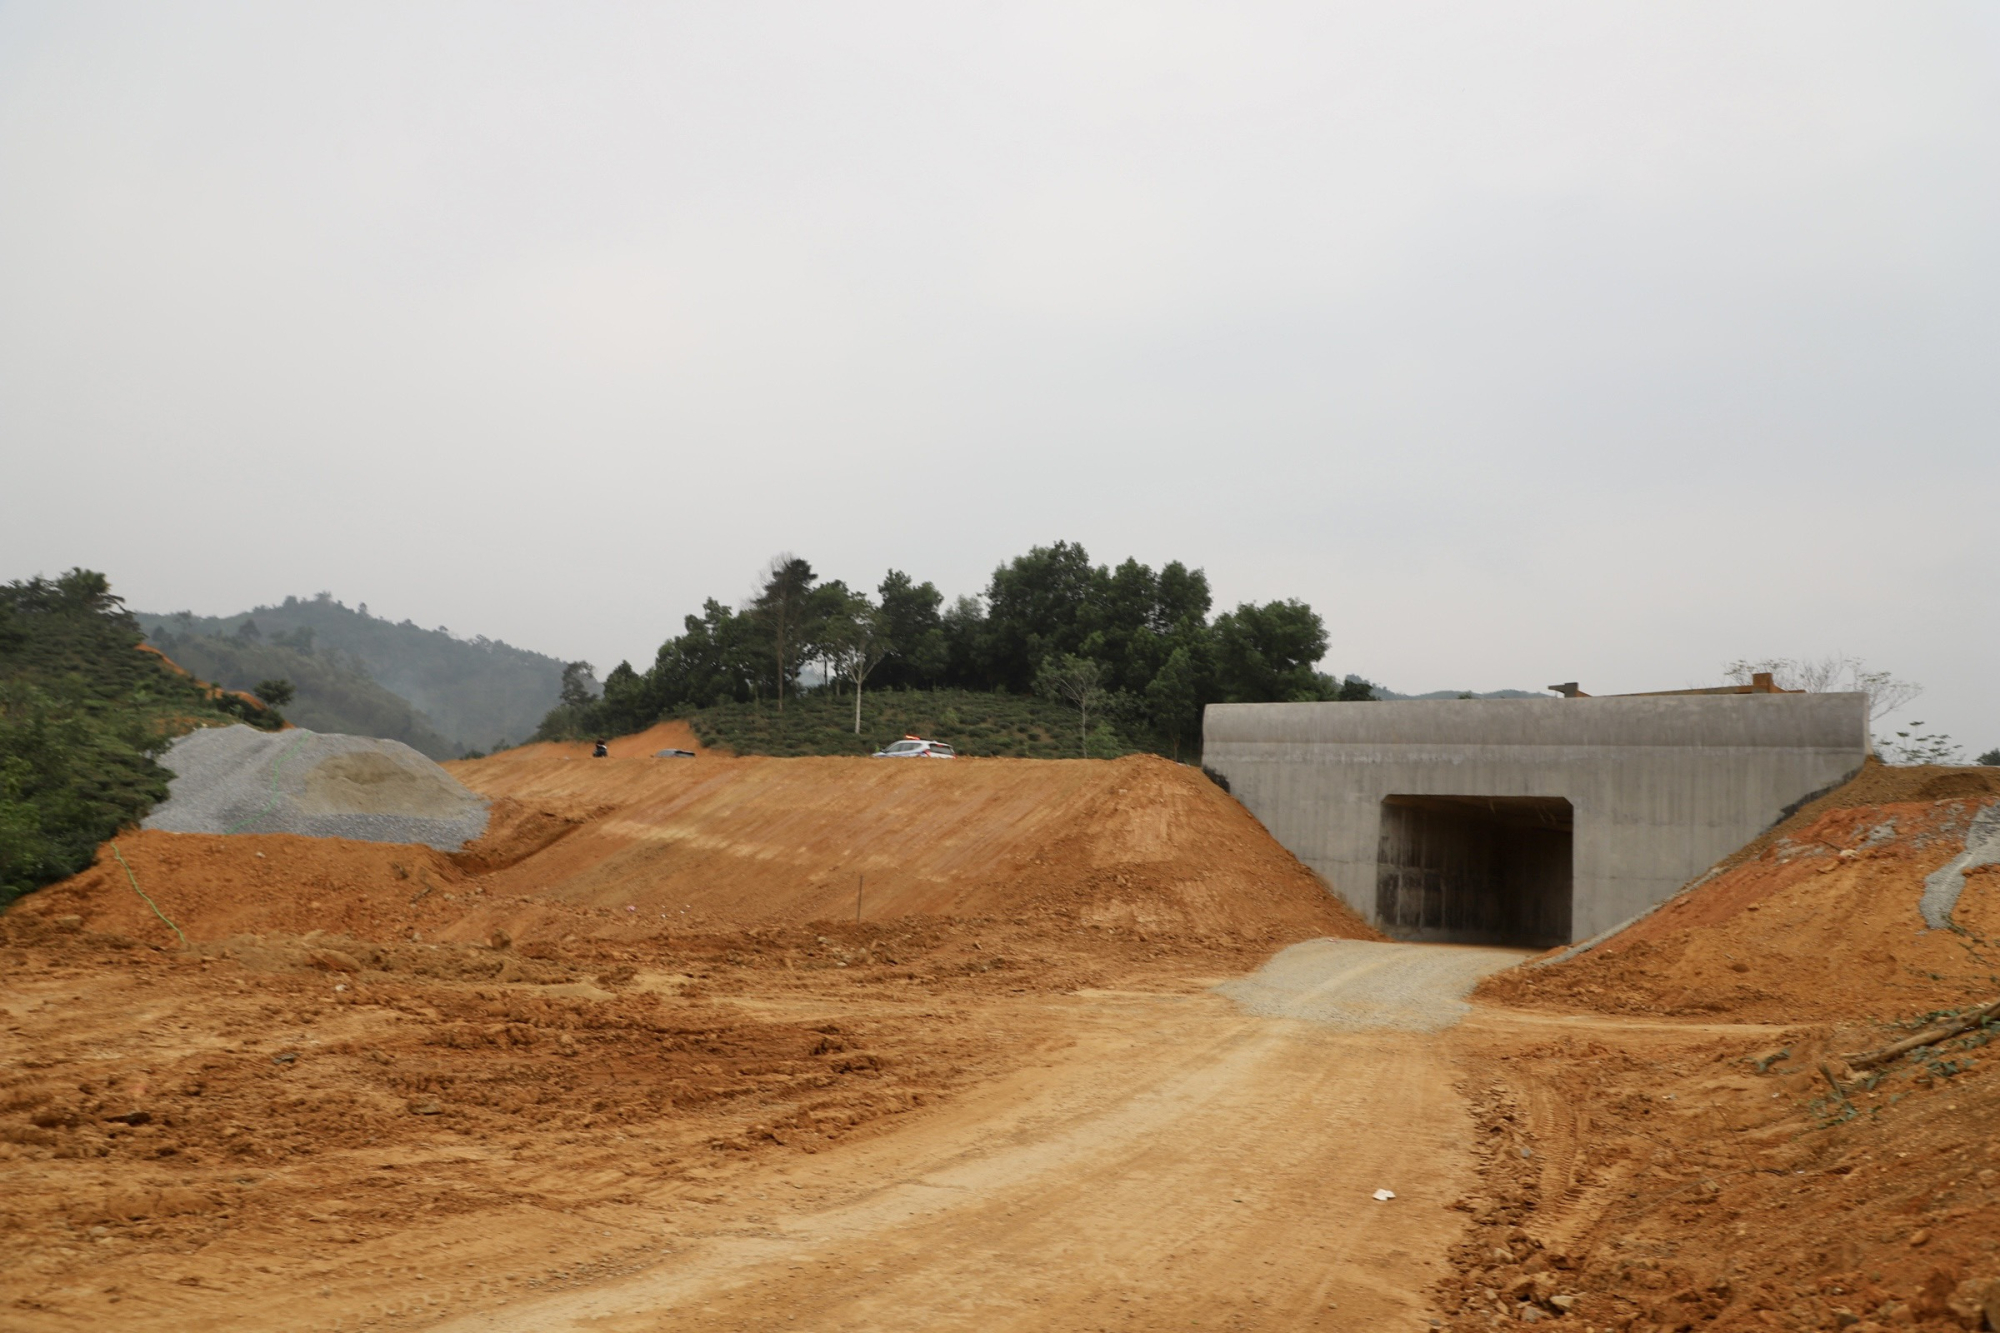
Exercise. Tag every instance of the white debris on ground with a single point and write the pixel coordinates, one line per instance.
(241, 780)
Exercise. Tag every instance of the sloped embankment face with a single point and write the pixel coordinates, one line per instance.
(671, 735)
(634, 850)
(370, 1052)
(1821, 919)
(1135, 843)
(1714, 1173)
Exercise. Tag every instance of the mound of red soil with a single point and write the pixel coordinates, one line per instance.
(632, 849)
(1136, 842)
(1816, 920)
(213, 887)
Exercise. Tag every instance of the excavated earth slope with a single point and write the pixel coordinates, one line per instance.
(1821, 918)
(1698, 1141)
(1137, 843)
(636, 849)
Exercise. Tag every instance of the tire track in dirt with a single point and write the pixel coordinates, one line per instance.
(1182, 1164)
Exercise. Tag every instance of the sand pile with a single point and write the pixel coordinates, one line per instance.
(1880, 899)
(240, 780)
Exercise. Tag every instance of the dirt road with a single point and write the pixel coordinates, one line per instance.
(1183, 1164)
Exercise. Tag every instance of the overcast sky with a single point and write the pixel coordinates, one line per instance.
(1527, 342)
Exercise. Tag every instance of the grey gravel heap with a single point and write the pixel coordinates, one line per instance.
(1947, 882)
(241, 780)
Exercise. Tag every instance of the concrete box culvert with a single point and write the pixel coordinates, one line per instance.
(1526, 821)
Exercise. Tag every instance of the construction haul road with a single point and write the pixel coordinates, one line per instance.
(1183, 1164)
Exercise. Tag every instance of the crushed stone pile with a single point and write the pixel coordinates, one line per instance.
(240, 780)
(1880, 899)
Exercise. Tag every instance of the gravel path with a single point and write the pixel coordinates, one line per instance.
(1360, 984)
(241, 780)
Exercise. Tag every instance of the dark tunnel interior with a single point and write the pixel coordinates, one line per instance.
(1476, 869)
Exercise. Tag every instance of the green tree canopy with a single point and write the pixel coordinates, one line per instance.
(1155, 655)
(1266, 653)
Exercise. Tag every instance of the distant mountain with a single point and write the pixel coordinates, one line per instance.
(333, 692)
(473, 693)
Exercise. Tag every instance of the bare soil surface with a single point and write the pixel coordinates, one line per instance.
(1097, 1057)
(1819, 919)
(1680, 1173)
(1136, 843)
(1176, 1162)
(1680, 1176)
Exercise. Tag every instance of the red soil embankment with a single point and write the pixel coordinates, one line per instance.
(632, 848)
(1816, 920)
(1137, 842)
(675, 735)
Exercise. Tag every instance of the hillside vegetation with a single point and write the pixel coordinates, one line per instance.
(333, 692)
(476, 693)
(1130, 646)
(84, 708)
(972, 722)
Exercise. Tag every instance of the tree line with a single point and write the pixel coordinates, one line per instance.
(1128, 644)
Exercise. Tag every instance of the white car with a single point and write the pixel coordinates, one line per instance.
(916, 747)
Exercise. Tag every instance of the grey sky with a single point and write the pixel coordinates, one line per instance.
(1528, 342)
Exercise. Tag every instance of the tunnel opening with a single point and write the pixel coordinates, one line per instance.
(1476, 869)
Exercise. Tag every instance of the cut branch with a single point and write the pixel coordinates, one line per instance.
(1930, 1036)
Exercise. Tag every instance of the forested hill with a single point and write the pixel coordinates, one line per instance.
(83, 711)
(331, 691)
(1134, 650)
(474, 693)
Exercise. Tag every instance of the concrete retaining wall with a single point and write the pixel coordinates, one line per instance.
(1661, 787)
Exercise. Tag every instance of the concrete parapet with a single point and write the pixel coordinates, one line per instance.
(1658, 788)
